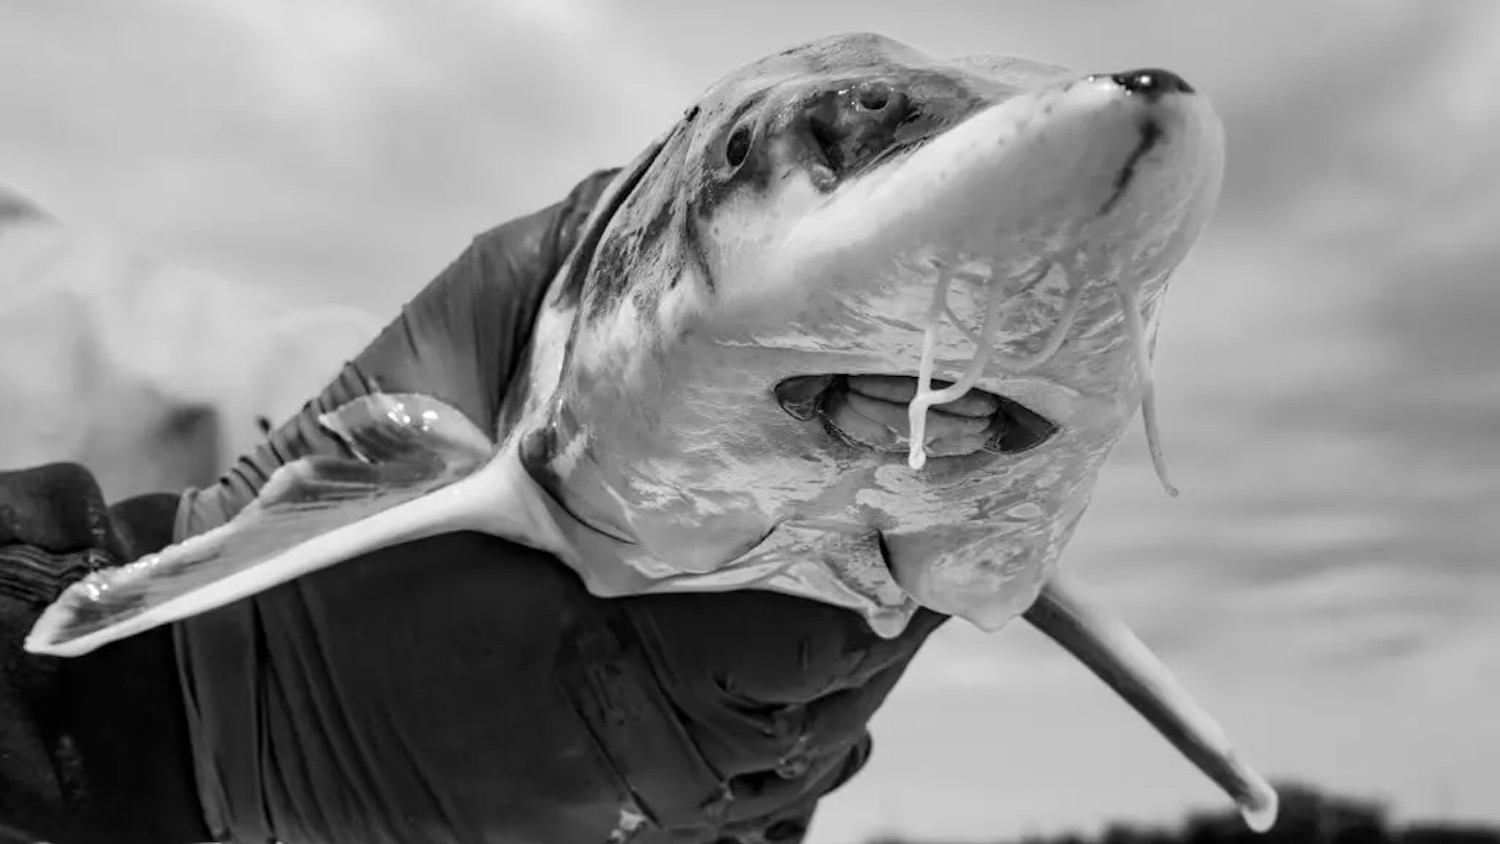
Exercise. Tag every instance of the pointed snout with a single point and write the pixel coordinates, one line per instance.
(1151, 83)
(1120, 159)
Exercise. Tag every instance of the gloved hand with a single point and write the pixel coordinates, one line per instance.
(464, 688)
(93, 749)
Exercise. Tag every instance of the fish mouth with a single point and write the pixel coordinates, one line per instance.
(871, 412)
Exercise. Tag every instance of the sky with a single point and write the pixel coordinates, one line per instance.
(1327, 583)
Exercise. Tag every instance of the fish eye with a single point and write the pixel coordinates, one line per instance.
(738, 147)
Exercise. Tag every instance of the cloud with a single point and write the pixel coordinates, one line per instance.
(339, 147)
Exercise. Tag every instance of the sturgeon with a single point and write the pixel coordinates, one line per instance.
(861, 327)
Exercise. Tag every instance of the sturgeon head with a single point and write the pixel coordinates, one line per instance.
(768, 278)
(730, 385)
(731, 380)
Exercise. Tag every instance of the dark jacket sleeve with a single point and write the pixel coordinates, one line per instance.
(459, 340)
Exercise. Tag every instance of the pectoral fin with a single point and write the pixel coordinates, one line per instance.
(1110, 650)
(410, 452)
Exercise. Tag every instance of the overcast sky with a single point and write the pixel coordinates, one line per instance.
(1328, 581)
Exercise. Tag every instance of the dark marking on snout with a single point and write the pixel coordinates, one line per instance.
(1150, 134)
(1152, 83)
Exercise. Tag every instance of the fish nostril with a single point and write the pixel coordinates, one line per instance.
(873, 97)
(1152, 82)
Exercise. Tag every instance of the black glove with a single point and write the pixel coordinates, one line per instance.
(93, 749)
